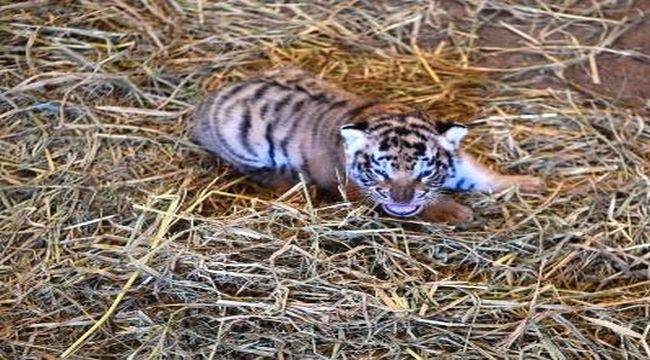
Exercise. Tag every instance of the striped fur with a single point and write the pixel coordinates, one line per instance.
(277, 125)
(285, 122)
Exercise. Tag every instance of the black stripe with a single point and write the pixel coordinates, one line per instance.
(451, 169)
(261, 91)
(264, 170)
(222, 100)
(404, 131)
(295, 86)
(380, 123)
(332, 106)
(352, 113)
(229, 93)
(355, 159)
(304, 167)
(297, 106)
(296, 116)
(289, 84)
(318, 97)
(281, 85)
(443, 126)
(318, 123)
(425, 127)
(269, 140)
(281, 104)
(294, 173)
(459, 184)
(225, 143)
(424, 174)
(431, 161)
(282, 169)
(385, 133)
(283, 148)
(224, 95)
(336, 105)
(381, 173)
(245, 128)
(450, 160)
(420, 136)
(264, 110)
(365, 180)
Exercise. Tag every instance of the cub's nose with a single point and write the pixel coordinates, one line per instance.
(402, 194)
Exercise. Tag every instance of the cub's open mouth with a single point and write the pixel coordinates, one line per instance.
(402, 210)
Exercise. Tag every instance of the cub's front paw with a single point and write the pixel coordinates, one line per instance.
(353, 192)
(279, 186)
(447, 210)
(528, 184)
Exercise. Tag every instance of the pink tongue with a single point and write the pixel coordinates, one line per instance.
(400, 209)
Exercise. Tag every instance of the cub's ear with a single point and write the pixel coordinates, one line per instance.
(451, 134)
(354, 137)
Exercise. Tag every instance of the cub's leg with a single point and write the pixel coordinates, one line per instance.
(353, 192)
(470, 175)
(446, 210)
(275, 179)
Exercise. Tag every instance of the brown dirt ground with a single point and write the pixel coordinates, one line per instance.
(623, 79)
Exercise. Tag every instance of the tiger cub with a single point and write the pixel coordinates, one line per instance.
(288, 122)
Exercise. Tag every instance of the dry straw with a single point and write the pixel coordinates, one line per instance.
(120, 238)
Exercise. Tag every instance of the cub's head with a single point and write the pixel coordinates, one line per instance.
(401, 161)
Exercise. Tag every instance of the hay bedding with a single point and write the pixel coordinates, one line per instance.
(123, 239)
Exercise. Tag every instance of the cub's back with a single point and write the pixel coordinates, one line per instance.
(283, 121)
